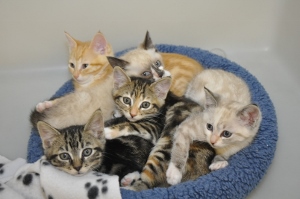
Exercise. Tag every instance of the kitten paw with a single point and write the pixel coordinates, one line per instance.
(40, 107)
(130, 178)
(218, 165)
(110, 133)
(174, 175)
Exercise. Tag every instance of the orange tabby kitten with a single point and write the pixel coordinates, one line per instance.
(93, 82)
(182, 68)
(87, 61)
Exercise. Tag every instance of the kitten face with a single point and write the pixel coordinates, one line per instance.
(76, 149)
(87, 60)
(143, 60)
(138, 98)
(229, 124)
(233, 124)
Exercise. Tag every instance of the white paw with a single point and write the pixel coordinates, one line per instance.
(174, 175)
(109, 133)
(218, 165)
(40, 107)
(167, 74)
(129, 178)
(116, 114)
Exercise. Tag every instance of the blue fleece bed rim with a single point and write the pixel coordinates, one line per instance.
(245, 169)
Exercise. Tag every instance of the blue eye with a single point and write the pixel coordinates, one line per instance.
(226, 134)
(157, 64)
(209, 127)
(146, 74)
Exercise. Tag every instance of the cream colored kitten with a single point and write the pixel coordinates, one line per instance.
(144, 59)
(228, 123)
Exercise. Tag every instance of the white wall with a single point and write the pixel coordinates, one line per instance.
(260, 35)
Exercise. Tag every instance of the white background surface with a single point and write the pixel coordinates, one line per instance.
(261, 35)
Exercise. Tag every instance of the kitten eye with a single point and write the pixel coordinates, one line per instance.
(145, 105)
(84, 66)
(72, 65)
(157, 64)
(147, 74)
(64, 156)
(226, 134)
(127, 100)
(87, 152)
(209, 127)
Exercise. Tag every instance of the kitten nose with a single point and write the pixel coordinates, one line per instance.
(133, 114)
(77, 168)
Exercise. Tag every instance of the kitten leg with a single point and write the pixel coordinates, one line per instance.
(187, 131)
(40, 107)
(174, 175)
(218, 162)
(130, 178)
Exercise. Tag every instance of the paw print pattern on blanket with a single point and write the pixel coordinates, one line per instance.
(40, 180)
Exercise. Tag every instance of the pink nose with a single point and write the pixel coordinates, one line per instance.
(133, 115)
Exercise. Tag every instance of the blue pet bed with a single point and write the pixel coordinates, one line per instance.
(246, 168)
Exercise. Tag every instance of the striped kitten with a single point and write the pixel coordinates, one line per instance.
(145, 58)
(228, 123)
(148, 108)
(81, 149)
(142, 102)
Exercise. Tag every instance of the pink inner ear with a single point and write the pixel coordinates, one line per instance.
(98, 44)
(249, 115)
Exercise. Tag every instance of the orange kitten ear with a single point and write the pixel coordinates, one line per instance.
(47, 133)
(120, 78)
(250, 116)
(147, 43)
(95, 125)
(71, 41)
(113, 61)
(98, 44)
(161, 87)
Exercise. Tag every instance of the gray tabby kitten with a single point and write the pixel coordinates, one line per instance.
(137, 96)
(228, 123)
(81, 149)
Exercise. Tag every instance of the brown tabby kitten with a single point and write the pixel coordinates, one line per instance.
(80, 149)
(138, 96)
(142, 102)
(181, 68)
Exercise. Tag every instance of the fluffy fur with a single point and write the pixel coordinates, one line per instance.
(228, 123)
(142, 60)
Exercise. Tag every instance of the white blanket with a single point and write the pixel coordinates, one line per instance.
(19, 180)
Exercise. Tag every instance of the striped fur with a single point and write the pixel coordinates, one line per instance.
(199, 157)
(131, 95)
(117, 156)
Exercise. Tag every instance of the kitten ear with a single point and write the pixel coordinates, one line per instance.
(147, 43)
(113, 61)
(47, 133)
(250, 116)
(95, 125)
(161, 87)
(71, 41)
(98, 44)
(210, 99)
(120, 78)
